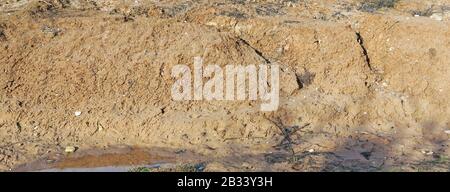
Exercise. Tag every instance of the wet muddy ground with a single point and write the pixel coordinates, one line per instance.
(113, 159)
(133, 159)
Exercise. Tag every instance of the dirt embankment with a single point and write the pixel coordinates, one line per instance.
(370, 80)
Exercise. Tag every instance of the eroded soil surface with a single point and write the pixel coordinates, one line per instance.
(367, 81)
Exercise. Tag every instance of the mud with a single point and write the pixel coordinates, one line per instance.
(369, 79)
(112, 159)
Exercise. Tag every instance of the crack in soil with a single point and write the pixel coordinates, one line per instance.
(360, 40)
(259, 53)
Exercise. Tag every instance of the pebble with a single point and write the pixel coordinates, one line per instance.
(180, 151)
(447, 131)
(77, 113)
(311, 150)
(427, 152)
(70, 149)
(436, 16)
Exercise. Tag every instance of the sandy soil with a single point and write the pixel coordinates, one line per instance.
(368, 81)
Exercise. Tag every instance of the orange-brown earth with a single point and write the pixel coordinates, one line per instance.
(369, 81)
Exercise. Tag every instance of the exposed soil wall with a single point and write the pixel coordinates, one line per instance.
(371, 83)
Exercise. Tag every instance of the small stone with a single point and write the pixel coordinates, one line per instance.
(50, 161)
(211, 24)
(427, 152)
(70, 149)
(447, 131)
(437, 16)
(195, 115)
(311, 150)
(180, 151)
(77, 113)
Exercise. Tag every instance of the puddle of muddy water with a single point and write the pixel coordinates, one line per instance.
(101, 169)
(114, 159)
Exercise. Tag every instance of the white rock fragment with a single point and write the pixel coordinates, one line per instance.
(211, 23)
(70, 149)
(427, 152)
(311, 150)
(77, 113)
(437, 16)
(447, 131)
